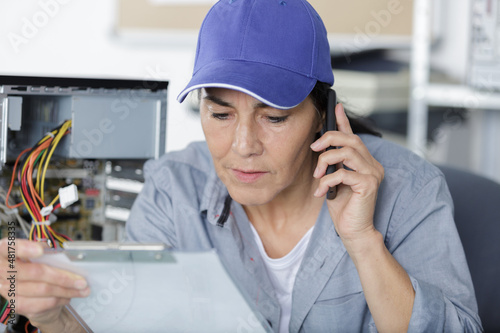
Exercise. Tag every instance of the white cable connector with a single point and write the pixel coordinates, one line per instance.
(45, 211)
(47, 223)
(68, 195)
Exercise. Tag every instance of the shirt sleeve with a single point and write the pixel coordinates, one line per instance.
(151, 216)
(425, 241)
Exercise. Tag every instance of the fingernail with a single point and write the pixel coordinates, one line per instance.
(35, 250)
(85, 292)
(316, 172)
(315, 145)
(80, 284)
(316, 194)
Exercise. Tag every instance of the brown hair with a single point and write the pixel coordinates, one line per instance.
(319, 97)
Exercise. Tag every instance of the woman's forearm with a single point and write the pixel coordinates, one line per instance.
(387, 287)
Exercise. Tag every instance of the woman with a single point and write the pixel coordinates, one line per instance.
(383, 255)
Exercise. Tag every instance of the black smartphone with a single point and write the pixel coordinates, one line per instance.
(331, 125)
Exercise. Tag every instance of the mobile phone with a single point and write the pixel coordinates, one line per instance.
(331, 125)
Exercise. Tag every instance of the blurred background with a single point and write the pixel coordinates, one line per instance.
(426, 74)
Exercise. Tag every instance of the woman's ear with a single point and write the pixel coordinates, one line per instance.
(320, 121)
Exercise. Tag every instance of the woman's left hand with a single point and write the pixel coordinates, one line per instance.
(353, 208)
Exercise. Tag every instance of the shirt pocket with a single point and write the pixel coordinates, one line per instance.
(341, 307)
(341, 288)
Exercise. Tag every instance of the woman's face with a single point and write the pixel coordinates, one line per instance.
(259, 152)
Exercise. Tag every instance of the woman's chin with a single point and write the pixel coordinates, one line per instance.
(249, 197)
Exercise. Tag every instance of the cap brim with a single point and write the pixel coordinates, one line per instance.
(274, 86)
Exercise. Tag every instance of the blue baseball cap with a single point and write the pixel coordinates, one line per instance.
(273, 50)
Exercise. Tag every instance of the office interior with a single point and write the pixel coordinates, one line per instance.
(426, 74)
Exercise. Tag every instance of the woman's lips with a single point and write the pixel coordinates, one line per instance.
(248, 176)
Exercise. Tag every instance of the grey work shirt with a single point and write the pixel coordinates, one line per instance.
(183, 199)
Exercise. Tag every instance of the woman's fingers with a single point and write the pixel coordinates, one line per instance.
(28, 271)
(348, 156)
(353, 208)
(43, 289)
(38, 288)
(352, 153)
(340, 139)
(343, 124)
(364, 185)
(24, 249)
(21, 252)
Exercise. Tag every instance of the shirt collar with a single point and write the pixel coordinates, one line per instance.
(214, 197)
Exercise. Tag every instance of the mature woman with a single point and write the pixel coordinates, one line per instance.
(383, 255)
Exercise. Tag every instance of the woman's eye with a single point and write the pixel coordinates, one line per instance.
(277, 120)
(220, 116)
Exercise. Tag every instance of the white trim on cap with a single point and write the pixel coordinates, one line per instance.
(184, 93)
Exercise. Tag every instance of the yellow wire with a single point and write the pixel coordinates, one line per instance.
(44, 232)
(54, 201)
(39, 171)
(38, 233)
(59, 238)
(27, 206)
(27, 162)
(31, 214)
(55, 142)
(58, 136)
(40, 183)
(24, 169)
(42, 160)
(22, 195)
(45, 138)
(31, 232)
(46, 159)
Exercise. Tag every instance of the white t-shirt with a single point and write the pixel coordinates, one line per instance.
(282, 272)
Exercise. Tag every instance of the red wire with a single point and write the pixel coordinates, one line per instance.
(27, 179)
(12, 181)
(66, 237)
(30, 202)
(54, 244)
(32, 197)
(26, 327)
(4, 316)
(31, 166)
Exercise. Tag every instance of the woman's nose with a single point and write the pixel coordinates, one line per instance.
(246, 141)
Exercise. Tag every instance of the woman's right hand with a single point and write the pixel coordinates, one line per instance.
(41, 291)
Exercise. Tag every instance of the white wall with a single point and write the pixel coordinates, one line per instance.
(451, 53)
(76, 38)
